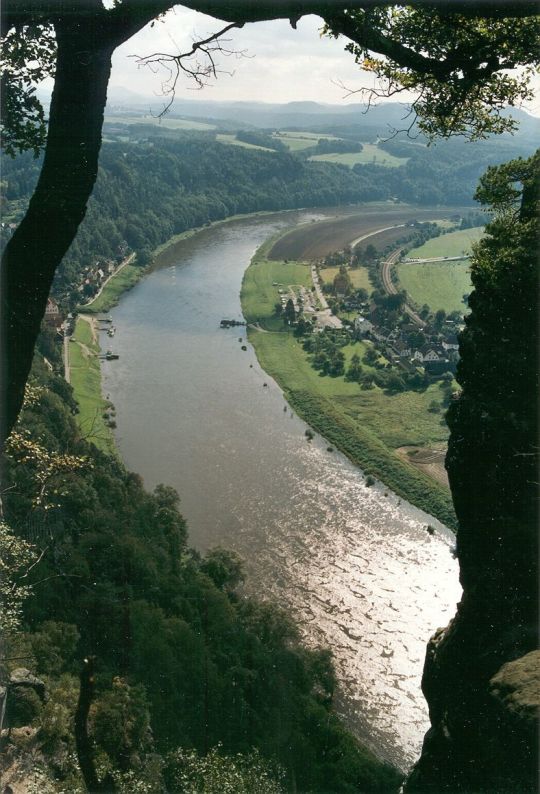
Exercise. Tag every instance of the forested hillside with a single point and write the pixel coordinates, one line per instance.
(183, 659)
(152, 189)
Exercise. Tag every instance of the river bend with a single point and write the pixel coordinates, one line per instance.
(355, 565)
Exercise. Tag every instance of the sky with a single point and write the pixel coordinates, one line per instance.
(280, 64)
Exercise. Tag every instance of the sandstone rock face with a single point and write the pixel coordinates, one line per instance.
(517, 688)
(21, 677)
(481, 674)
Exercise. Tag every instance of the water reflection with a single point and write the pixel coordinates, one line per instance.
(356, 566)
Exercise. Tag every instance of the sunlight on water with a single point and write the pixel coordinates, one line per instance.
(357, 568)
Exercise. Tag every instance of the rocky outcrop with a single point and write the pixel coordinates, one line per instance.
(481, 675)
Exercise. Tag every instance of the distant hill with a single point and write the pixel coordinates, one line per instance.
(348, 120)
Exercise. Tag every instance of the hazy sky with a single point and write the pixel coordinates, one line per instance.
(283, 64)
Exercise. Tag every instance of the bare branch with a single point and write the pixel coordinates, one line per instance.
(369, 97)
(200, 71)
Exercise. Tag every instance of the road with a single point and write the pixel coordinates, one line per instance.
(67, 373)
(437, 259)
(378, 231)
(391, 289)
(126, 261)
(324, 315)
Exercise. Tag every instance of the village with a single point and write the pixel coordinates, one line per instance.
(407, 340)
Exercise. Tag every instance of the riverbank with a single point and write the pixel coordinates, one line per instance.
(85, 378)
(369, 426)
(82, 362)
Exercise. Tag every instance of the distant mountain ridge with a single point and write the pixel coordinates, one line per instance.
(381, 120)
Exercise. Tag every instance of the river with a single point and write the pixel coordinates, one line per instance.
(355, 565)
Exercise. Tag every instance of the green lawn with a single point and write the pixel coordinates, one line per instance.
(259, 294)
(370, 154)
(451, 244)
(439, 284)
(359, 277)
(166, 121)
(232, 140)
(302, 140)
(86, 382)
(368, 425)
(119, 283)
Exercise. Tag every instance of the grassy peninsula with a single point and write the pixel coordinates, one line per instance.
(369, 426)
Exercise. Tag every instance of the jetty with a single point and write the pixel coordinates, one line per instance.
(231, 323)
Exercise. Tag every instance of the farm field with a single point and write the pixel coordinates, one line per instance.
(439, 284)
(367, 425)
(231, 139)
(296, 141)
(359, 277)
(86, 381)
(314, 240)
(166, 121)
(370, 154)
(451, 244)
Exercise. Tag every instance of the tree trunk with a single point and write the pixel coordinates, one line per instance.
(58, 204)
(83, 743)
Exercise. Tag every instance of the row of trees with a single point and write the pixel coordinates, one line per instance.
(147, 192)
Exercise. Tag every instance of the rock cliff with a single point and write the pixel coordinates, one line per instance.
(481, 675)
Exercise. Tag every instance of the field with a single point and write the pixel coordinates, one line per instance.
(261, 296)
(359, 277)
(166, 121)
(369, 426)
(369, 154)
(439, 284)
(451, 244)
(297, 141)
(315, 240)
(231, 139)
(119, 283)
(86, 381)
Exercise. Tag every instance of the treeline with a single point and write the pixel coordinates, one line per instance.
(148, 191)
(182, 659)
(261, 139)
(331, 146)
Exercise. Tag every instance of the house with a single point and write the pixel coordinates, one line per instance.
(363, 326)
(431, 355)
(451, 343)
(418, 356)
(403, 350)
(52, 313)
(100, 273)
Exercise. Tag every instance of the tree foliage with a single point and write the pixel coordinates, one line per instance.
(28, 56)
(177, 649)
(458, 65)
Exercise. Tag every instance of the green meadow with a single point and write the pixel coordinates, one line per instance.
(367, 425)
(370, 154)
(86, 381)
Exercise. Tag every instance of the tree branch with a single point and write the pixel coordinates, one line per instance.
(198, 72)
